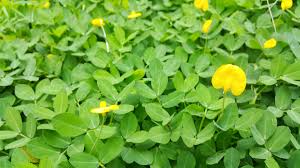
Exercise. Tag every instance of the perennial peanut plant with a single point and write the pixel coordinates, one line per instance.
(149, 83)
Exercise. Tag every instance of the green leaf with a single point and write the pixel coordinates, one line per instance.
(185, 159)
(24, 92)
(248, 119)
(190, 82)
(178, 81)
(214, 159)
(229, 117)
(83, 91)
(278, 66)
(159, 79)
(172, 99)
(295, 116)
(111, 149)
(144, 90)
(271, 163)
(259, 153)
(68, 124)
(54, 139)
(206, 134)
(294, 160)
(105, 131)
(39, 149)
(119, 32)
(98, 56)
(8, 134)
(279, 139)
(188, 131)
(258, 137)
(108, 90)
(18, 143)
(292, 71)
(84, 160)
(13, 119)
(4, 163)
(25, 165)
(141, 157)
(92, 143)
(282, 97)
(156, 112)
(160, 160)
(204, 95)
(74, 148)
(126, 91)
(60, 103)
(202, 63)
(138, 137)
(267, 80)
(159, 134)
(124, 108)
(128, 125)
(232, 158)
(30, 126)
(266, 125)
(46, 163)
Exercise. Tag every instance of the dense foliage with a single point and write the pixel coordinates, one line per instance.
(150, 62)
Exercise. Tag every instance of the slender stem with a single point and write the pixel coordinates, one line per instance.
(101, 165)
(106, 42)
(272, 18)
(257, 94)
(292, 13)
(98, 137)
(111, 118)
(273, 4)
(223, 106)
(224, 97)
(203, 118)
(205, 45)
(4, 152)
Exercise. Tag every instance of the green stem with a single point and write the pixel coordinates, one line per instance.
(203, 118)
(111, 118)
(98, 137)
(292, 13)
(223, 106)
(4, 152)
(272, 18)
(106, 42)
(205, 45)
(257, 94)
(224, 98)
(101, 165)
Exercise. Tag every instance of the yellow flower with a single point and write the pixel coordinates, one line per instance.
(201, 4)
(230, 77)
(134, 14)
(103, 108)
(98, 22)
(206, 26)
(46, 5)
(286, 4)
(271, 43)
